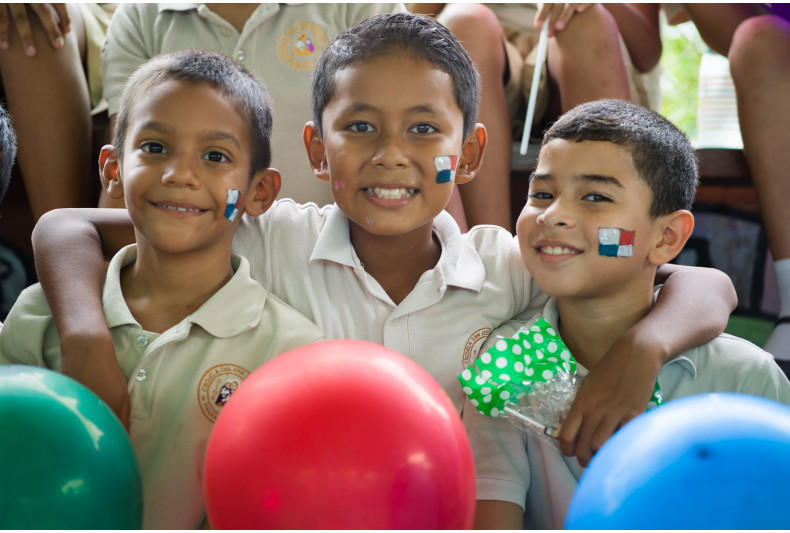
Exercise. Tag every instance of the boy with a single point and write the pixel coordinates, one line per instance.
(604, 167)
(385, 263)
(7, 150)
(187, 321)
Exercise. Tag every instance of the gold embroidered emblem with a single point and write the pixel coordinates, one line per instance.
(216, 387)
(300, 45)
(473, 345)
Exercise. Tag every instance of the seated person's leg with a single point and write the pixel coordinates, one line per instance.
(486, 199)
(760, 64)
(47, 97)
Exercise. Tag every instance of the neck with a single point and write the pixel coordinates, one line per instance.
(589, 327)
(398, 261)
(161, 289)
(236, 14)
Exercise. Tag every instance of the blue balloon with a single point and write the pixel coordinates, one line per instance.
(66, 461)
(710, 461)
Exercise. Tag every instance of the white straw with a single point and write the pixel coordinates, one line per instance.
(533, 91)
(550, 431)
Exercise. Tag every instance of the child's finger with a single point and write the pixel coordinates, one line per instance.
(50, 21)
(569, 431)
(20, 19)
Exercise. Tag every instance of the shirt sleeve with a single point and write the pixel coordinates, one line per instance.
(28, 336)
(499, 449)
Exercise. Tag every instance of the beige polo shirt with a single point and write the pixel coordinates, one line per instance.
(279, 42)
(178, 381)
(304, 254)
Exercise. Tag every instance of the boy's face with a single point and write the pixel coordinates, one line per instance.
(579, 188)
(186, 147)
(388, 120)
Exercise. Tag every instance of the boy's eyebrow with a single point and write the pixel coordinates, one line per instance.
(596, 178)
(207, 134)
(358, 107)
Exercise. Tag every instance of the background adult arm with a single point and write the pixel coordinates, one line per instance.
(638, 25)
(70, 248)
(692, 307)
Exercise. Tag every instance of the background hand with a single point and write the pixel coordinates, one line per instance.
(557, 15)
(54, 19)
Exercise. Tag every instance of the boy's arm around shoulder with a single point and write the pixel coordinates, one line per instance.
(692, 307)
(69, 247)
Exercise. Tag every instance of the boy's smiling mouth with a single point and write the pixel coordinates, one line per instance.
(386, 193)
(177, 207)
(556, 250)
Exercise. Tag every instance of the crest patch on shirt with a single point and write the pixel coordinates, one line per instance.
(216, 386)
(300, 45)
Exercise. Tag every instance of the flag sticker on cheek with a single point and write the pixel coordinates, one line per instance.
(615, 242)
(232, 207)
(445, 167)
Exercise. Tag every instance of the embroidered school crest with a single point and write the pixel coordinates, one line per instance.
(216, 387)
(300, 45)
(473, 345)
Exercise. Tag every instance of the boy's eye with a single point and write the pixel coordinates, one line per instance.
(540, 195)
(153, 148)
(423, 128)
(361, 127)
(216, 157)
(595, 197)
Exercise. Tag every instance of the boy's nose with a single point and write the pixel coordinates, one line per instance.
(390, 153)
(180, 173)
(557, 215)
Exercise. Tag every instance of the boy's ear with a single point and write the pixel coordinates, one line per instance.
(110, 172)
(675, 229)
(472, 154)
(316, 155)
(264, 188)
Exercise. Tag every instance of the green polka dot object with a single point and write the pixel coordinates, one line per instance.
(506, 372)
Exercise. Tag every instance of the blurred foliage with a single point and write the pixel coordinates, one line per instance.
(683, 48)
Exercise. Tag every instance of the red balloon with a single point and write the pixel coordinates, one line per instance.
(341, 434)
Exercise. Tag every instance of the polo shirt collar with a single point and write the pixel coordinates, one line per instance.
(241, 294)
(459, 264)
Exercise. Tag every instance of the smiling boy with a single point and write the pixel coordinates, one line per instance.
(187, 321)
(608, 169)
(394, 105)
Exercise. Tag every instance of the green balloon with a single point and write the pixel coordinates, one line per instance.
(66, 461)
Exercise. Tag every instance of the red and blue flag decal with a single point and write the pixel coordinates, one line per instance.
(445, 167)
(232, 207)
(615, 242)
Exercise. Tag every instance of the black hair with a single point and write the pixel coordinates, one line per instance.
(244, 90)
(417, 34)
(662, 154)
(7, 150)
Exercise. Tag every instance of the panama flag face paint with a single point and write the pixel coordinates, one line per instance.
(615, 242)
(445, 167)
(232, 207)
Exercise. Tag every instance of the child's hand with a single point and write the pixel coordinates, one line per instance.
(558, 15)
(54, 18)
(91, 361)
(616, 390)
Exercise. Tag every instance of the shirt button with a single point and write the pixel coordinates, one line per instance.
(141, 341)
(226, 31)
(240, 55)
(141, 375)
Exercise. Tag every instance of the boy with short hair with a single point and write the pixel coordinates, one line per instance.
(394, 103)
(187, 321)
(605, 168)
(7, 150)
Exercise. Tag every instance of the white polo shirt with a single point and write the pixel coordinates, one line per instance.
(279, 42)
(725, 364)
(303, 254)
(178, 381)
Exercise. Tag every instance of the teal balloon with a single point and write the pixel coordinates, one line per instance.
(66, 461)
(710, 461)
